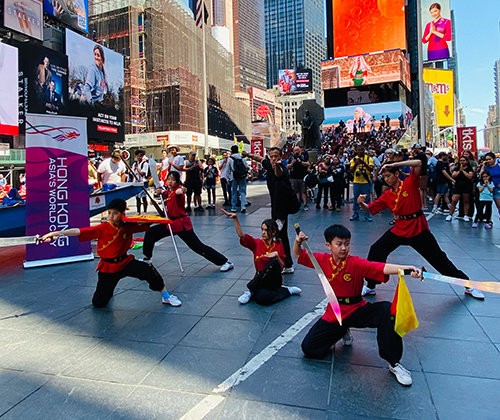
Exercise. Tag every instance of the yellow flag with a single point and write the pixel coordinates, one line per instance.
(406, 319)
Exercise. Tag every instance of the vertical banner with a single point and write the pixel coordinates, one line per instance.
(257, 147)
(467, 140)
(440, 84)
(57, 182)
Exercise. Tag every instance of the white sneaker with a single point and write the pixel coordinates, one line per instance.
(347, 339)
(146, 260)
(280, 224)
(245, 297)
(466, 219)
(288, 270)
(402, 375)
(172, 300)
(474, 293)
(448, 218)
(294, 290)
(367, 291)
(228, 265)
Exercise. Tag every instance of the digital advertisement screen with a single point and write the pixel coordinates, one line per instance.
(350, 114)
(8, 90)
(96, 87)
(440, 84)
(24, 16)
(436, 30)
(365, 26)
(295, 81)
(74, 13)
(383, 92)
(368, 69)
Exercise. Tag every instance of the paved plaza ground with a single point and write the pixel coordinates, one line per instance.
(138, 359)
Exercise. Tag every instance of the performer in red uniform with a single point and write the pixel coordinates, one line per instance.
(113, 241)
(181, 226)
(345, 274)
(266, 287)
(411, 228)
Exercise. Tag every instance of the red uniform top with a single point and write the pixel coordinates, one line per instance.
(260, 248)
(346, 278)
(176, 208)
(405, 201)
(113, 241)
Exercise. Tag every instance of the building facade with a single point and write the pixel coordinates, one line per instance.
(290, 105)
(294, 38)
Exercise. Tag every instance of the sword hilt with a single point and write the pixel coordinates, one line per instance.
(297, 228)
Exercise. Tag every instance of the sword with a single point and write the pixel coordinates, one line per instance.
(156, 181)
(485, 286)
(330, 294)
(23, 240)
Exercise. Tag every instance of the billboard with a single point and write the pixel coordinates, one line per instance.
(367, 69)
(351, 114)
(440, 84)
(8, 90)
(467, 140)
(24, 16)
(363, 27)
(436, 30)
(74, 13)
(295, 81)
(96, 87)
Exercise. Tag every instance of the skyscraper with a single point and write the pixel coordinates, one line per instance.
(294, 38)
(249, 44)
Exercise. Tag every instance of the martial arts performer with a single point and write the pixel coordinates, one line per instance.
(266, 287)
(411, 228)
(345, 274)
(113, 241)
(174, 197)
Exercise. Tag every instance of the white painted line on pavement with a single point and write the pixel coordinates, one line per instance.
(200, 410)
(429, 216)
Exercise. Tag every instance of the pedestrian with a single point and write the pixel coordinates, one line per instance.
(410, 228)
(181, 226)
(443, 177)
(297, 166)
(361, 168)
(283, 199)
(324, 171)
(210, 174)
(486, 189)
(140, 168)
(462, 189)
(491, 165)
(224, 180)
(193, 184)
(114, 239)
(237, 173)
(112, 170)
(338, 185)
(266, 287)
(345, 275)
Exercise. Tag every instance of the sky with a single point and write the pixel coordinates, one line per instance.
(478, 47)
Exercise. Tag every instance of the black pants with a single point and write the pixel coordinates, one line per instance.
(226, 189)
(323, 335)
(324, 187)
(266, 287)
(283, 235)
(336, 195)
(107, 282)
(483, 211)
(424, 243)
(144, 201)
(188, 236)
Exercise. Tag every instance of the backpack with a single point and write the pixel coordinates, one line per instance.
(240, 171)
(431, 171)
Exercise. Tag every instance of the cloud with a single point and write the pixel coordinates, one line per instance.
(476, 111)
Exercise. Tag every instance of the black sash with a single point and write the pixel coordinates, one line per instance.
(411, 216)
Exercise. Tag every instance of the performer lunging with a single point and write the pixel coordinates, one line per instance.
(266, 287)
(113, 241)
(182, 227)
(345, 274)
(411, 228)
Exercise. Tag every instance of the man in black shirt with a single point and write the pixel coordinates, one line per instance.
(193, 182)
(443, 178)
(298, 165)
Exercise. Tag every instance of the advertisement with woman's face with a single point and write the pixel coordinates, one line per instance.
(96, 86)
(436, 30)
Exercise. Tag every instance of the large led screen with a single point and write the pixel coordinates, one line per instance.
(74, 13)
(436, 22)
(365, 26)
(440, 84)
(8, 90)
(96, 87)
(24, 16)
(368, 69)
(295, 81)
(351, 114)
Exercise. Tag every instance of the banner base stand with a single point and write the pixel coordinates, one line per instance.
(55, 261)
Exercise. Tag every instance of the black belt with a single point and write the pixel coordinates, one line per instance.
(411, 216)
(175, 218)
(115, 260)
(349, 300)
